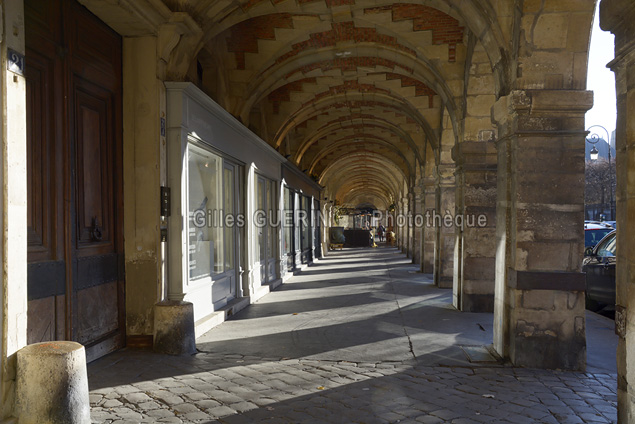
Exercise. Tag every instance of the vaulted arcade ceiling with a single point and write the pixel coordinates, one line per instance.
(366, 96)
(348, 91)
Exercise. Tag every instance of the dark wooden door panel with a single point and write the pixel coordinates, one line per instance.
(96, 270)
(96, 320)
(38, 154)
(44, 173)
(46, 279)
(43, 24)
(75, 270)
(46, 270)
(93, 161)
(95, 127)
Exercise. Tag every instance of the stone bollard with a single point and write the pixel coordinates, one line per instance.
(52, 384)
(174, 328)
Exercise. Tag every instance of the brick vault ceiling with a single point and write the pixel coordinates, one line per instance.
(352, 91)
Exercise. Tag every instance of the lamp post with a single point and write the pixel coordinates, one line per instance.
(592, 139)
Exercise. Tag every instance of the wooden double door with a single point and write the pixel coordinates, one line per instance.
(74, 177)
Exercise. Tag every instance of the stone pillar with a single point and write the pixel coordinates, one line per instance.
(419, 224)
(475, 244)
(618, 16)
(403, 225)
(429, 234)
(143, 166)
(13, 207)
(327, 221)
(539, 312)
(444, 243)
(411, 229)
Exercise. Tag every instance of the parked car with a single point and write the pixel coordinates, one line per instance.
(602, 223)
(593, 233)
(599, 266)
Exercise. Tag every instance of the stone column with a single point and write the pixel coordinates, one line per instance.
(475, 244)
(618, 16)
(396, 225)
(429, 234)
(144, 166)
(403, 227)
(13, 207)
(411, 229)
(419, 225)
(444, 243)
(539, 312)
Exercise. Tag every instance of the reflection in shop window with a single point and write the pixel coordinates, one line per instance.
(204, 194)
(228, 209)
(288, 229)
(271, 217)
(305, 219)
(262, 196)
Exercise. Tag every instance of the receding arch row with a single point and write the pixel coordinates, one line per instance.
(341, 170)
(364, 181)
(366, 138)
(282, 93)
(325, 163)
(421, 71)
(358, 197)
(356, 99)
(348, 196)
(369, 172)
(364, 174)
(477, 17)
(386, 59)
(335, 169)
(366, 187)
(364, 195)
(360, 124)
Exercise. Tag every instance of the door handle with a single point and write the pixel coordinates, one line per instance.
(95, 231)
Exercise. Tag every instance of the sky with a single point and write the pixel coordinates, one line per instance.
(601, 79)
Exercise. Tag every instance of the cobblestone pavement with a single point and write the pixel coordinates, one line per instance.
(247, 382)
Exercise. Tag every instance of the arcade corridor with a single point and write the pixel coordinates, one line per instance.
(168, 163)
(360, 336)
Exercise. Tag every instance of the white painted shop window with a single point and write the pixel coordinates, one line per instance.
(204, 192)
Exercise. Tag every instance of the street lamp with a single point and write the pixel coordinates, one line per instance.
(593, 154)
(592, 139)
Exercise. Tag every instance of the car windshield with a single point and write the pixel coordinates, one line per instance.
(592, 237)
(607, 246)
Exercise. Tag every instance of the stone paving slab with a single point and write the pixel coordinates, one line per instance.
(359, 338)
(349, 393)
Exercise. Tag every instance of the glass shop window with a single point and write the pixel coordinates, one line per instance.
(305, 221)
(229, 208)
(205, 204)
(287, 221)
